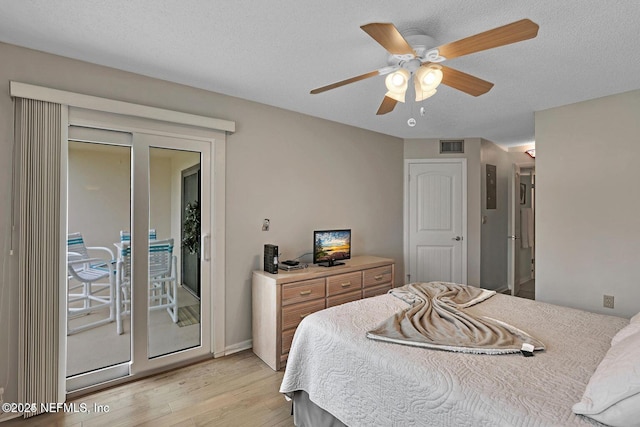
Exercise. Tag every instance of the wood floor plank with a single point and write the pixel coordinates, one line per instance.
(237, 390)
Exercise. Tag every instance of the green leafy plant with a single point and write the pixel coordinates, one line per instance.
(191, 227)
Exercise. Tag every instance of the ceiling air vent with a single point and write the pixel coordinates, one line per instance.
(451, 146)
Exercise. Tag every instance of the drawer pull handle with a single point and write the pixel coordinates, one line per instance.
(346, 285)
(378, 277)
(302, 316)
(307, 292)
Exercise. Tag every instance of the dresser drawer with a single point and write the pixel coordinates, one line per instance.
(293, 314)
(377, 276)
(287, 339)
(373, 291)
(306, 290)
(345, 297)
(341, 283)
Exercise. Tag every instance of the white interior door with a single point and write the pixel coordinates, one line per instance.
(513, 273)
(435, 224)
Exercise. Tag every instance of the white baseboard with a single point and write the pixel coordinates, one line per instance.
(524, 280)
(238, 347)
(6, 416)
(502, 290)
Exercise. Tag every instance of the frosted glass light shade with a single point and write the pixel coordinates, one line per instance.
(426, 80)
(420, 94)
(397, 83)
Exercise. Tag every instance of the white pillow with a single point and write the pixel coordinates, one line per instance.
(625, 413)
(627, 331)
(635, 319)
(612, 395)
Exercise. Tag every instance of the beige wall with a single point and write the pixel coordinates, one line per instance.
(301, 172)
(588, 204)
(160, 195)
(430, 149)
(99, 192)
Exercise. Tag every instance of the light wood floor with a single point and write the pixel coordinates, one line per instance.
(527, 290)
(237, 390)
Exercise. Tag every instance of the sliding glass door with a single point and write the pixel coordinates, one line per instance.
(130, 309)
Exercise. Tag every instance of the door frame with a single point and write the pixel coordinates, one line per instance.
(406, 212)
(193, 170)
(213, 242)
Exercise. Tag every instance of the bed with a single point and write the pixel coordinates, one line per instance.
(335, 372)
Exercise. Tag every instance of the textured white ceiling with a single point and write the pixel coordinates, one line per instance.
(275, 52)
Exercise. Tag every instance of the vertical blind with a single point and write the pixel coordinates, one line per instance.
(38, 133)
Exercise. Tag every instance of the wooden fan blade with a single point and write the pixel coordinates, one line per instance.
(511, 33)
(389, 38)
(387, 106)
(345, 82)
(464, 82)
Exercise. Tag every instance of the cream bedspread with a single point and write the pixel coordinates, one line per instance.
(371, 383)
(437, 319)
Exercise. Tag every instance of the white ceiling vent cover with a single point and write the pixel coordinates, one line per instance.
(451, 146)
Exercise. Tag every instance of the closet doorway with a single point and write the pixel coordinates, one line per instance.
(521, 236)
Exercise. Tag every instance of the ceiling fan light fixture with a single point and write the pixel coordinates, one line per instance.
(421, 96)
(429, 77)
(398, 80)
(398, 96)
(397, 83)
(426, 80)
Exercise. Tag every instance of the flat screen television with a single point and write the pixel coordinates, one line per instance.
(331, 246)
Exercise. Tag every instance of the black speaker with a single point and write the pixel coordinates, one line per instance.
(271, 258)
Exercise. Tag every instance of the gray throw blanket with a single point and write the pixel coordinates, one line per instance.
(437, 320)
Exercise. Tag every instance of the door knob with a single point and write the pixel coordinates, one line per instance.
(457, 238)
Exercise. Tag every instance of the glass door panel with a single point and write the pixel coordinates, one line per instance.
(99, 207)
(174, 304)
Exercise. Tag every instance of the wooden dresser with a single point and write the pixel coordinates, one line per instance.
(280, 301)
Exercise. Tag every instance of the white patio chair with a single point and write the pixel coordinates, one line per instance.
(125, 236)
(162, 283)
(90, 284)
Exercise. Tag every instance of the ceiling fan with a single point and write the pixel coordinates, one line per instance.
(423, 64)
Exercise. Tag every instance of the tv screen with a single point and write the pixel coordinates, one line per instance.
(330, 246)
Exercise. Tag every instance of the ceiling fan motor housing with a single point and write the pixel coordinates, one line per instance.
(423, 47)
